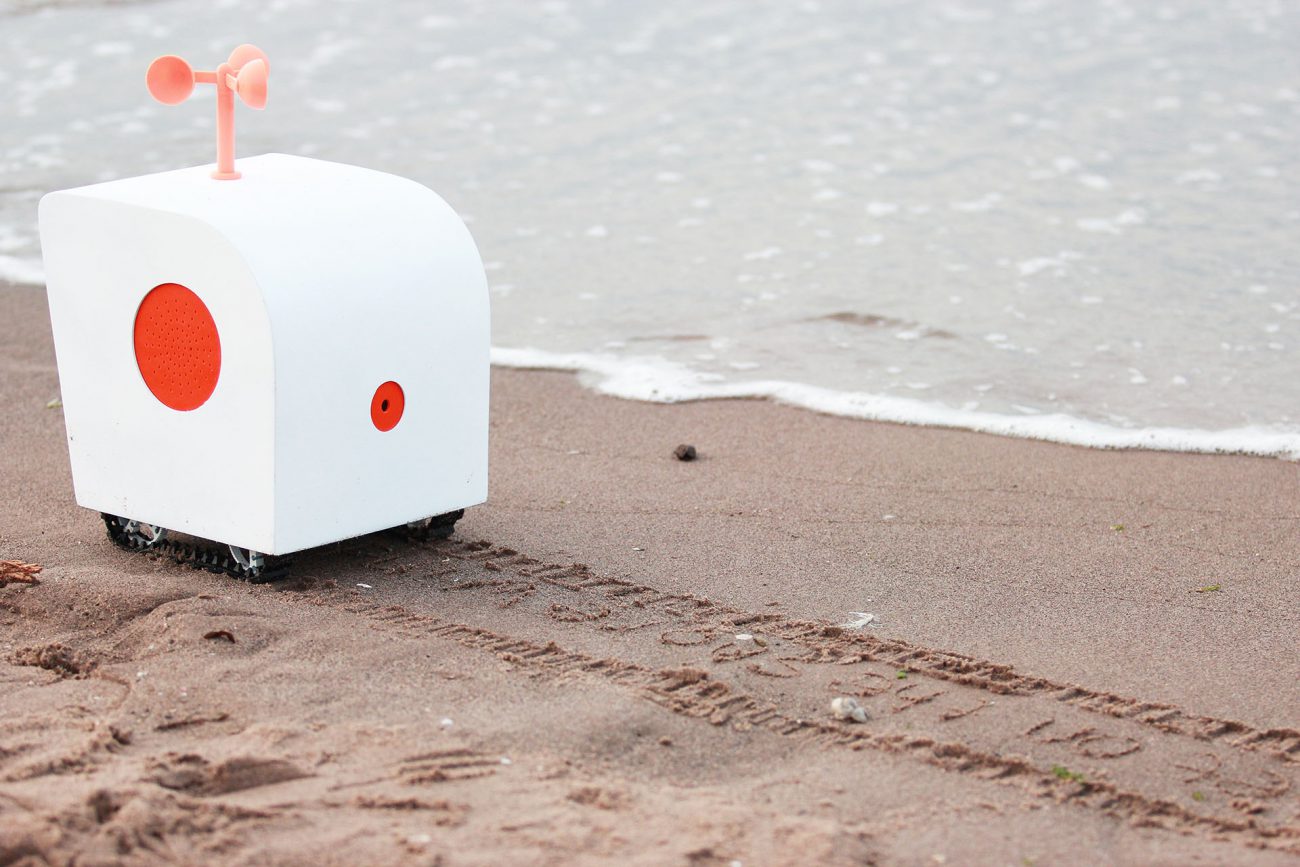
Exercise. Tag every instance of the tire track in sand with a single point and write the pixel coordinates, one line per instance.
(1230, 781)
(838, 645)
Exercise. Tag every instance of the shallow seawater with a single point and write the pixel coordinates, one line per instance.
(1072, 221)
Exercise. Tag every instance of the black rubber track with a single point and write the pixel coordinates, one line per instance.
(212, 557)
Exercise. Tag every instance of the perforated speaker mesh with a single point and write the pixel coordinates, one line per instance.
(177, 347)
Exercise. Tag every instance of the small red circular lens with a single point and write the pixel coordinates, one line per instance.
(387, 405)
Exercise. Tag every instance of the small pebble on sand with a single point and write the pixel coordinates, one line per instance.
(684, 452)
(845, 708)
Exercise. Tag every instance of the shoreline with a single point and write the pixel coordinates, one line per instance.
(1075, 654)
(654, 380)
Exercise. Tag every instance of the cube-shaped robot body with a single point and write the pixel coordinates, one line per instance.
(291, 359)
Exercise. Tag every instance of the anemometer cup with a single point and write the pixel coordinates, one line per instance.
(170, 79)
(250, 84)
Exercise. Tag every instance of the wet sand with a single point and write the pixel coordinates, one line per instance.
(1075, 656)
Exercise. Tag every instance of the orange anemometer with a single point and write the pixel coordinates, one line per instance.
(171, 80)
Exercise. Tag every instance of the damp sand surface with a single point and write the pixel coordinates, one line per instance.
(1074, 656)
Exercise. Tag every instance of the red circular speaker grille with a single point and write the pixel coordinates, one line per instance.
(177, 347)
(387, 405)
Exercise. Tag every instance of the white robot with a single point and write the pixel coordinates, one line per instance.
(270, 358)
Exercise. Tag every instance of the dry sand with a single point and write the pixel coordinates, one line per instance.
(627, 658)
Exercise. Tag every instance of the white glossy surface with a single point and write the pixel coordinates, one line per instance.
(324, 280)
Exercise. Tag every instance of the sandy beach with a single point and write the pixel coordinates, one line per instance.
(1073, 656)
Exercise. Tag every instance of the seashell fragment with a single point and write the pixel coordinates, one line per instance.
(846, 708)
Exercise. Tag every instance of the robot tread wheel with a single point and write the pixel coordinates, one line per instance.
(229, 560)
(432, 529)
(241, 563)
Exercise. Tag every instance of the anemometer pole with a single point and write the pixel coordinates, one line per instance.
(171, 80)
(225, 127)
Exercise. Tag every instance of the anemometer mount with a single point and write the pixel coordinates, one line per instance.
(171, 80)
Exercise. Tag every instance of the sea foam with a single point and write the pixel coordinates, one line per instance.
(24, 272)
(654, 379)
